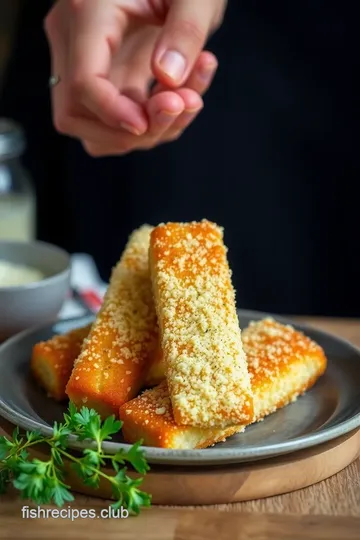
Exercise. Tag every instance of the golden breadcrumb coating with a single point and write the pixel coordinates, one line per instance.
(283, 364)
(52, 361)
(113, 363)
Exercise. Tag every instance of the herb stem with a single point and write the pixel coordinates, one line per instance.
(42, 480)
(90, 467)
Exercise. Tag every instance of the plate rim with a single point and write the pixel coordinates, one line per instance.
(222, 456)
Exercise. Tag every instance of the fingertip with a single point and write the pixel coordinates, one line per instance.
(169, 65)
(192, 100)
(205, 70)
(207, 61)
(169, 102)
(130, 128)
(135, 119)
(182, 39)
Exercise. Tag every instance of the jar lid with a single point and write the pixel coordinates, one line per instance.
(12, 140)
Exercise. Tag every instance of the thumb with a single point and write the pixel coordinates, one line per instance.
(184, 35)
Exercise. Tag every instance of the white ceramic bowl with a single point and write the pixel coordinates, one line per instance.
(37, 303)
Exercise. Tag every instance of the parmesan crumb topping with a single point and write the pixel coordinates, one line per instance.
(201, 339)
(271, 346)
(283, 364)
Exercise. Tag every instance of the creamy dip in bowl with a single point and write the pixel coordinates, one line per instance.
(34, 282)
(13, 275)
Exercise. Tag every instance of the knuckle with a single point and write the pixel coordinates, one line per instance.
(75, 5)
(182, 124)
(148, 142)
(218, 21)
(50, 22)
(68, 108)
(76, 89)
(221, 13)
(219, 17)
(149, 145)
(61, 124)
(121, 148)
(126, 146)
(174, 136)
(190, 30)
(92, 149)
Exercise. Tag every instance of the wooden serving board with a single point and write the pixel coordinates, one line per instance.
(189, 486)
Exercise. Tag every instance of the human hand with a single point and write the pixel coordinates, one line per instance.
(108, 52)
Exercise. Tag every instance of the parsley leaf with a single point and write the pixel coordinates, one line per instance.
(43, 482)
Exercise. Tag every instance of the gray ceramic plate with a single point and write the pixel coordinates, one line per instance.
(330, 409)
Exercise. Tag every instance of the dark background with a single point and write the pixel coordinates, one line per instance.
(273, 157)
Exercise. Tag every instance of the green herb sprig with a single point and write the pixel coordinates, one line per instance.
(43, 482)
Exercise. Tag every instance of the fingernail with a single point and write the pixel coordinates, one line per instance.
(207, 73)
(173, 64)
(130, 128)
(194, 111)
(165, 117)
(188, 117)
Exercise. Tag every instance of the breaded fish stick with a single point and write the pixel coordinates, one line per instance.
(112, 365)
(150, 417)
(52, 361)
(283, 364)
(156, 370)
(205, 363)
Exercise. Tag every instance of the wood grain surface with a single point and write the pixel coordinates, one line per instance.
(329, 510)
(168, 524)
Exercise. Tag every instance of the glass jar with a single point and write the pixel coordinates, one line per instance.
(17, 196)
